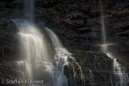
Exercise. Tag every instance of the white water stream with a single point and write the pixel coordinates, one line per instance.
(36, 56)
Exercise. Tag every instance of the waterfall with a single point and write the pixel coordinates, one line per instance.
(35, 55)
(121, 78)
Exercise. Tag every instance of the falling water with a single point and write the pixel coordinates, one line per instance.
(103, 26)
(121, 78)
(33, 48)
(55, 40)
(35, 54)
(29, 10)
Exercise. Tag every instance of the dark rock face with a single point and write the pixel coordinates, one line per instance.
(76, 20)
(78, 25)
(9, 39)
(9, 71)
(11, 9)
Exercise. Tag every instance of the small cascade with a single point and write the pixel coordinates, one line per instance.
(120, 74)
(121, 77)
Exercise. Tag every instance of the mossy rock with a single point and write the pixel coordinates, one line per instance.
(94, 66)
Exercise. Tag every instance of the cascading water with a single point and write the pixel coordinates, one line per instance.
(33, 48)
(36, 56)
(38, 62)
(121, 78)
(55, 40)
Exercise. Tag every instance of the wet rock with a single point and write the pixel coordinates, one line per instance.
(8, 37)
(9, 72)
(7, 25)
(95, 67)
(78, 25)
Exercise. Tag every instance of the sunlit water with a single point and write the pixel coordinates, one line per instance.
(36, 56)
(35, 53)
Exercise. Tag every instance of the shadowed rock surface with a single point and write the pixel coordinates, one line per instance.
(77, 23)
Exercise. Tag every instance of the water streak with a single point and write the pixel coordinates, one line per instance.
(29, 10)
(102, 22)
(55, 40)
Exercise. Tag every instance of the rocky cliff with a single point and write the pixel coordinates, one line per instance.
(78, 25)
